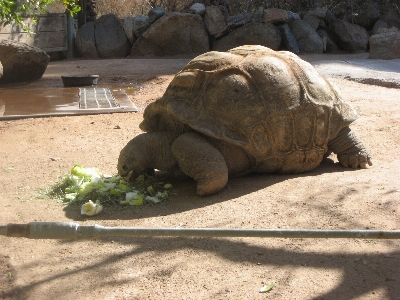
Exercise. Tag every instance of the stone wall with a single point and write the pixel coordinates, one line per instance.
(203, 28)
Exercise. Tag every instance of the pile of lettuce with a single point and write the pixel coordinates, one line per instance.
(90, 184)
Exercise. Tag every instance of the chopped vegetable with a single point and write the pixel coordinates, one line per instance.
(152, 199)
(138, 201)
(133, 198)
(91, 209)
(83, 184)
(267, 288)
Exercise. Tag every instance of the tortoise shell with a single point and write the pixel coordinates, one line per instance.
(272, 104)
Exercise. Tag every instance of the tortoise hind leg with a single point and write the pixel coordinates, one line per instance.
(350, 150)
(200, 160)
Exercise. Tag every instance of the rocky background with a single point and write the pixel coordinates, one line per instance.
(210, 25)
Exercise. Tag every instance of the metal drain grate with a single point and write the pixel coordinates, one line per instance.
(90, 98)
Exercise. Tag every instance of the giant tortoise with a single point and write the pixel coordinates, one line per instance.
(247, 110)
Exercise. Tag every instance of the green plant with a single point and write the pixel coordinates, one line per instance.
(14, 11)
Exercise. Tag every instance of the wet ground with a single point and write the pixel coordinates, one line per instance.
(38, 100)
(48, 96)
(27, 101)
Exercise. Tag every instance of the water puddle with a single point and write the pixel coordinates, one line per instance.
(22, 102)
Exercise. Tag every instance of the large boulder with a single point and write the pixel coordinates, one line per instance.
(129, 28)
(351, 37)
(292, 16)
(288, 39)
(173, 34)
(111, 40)
(275, 15)
(365, 16)
(307, 37)
(234, 22)
(392, 16)
(319, 12)
(329, 43)
(258, 15)
(385, 45)
(85, 41)
(155, 13)
(198, 8)
(104, 38)
(267, 35)
(214, 20)
(238, 20)
(22, 62)
(379, 24)
(140, 25)
(312, 20)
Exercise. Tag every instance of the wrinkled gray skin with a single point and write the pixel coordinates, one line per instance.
(248, 110)
(206, 160)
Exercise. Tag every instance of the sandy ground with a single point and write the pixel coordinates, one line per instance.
(34, 153)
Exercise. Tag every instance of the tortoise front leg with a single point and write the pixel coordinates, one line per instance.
(350, 150)
(200, 160)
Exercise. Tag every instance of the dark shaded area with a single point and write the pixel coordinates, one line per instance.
(362, 273)
(189, 200)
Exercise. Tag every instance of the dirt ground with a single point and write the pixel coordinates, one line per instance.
(36, 152)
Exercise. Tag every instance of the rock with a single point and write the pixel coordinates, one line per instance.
(367, 16)
(258, 15)
(155, 13)
(330, 16)
(214, 20)
(392, 16)
(385, 30)
(224, 10)
(110, 37)
(140, 25)
(253, 33)
(385, 45)
(104, 38)
(379, 24)
(288, 38)
(351, 37)
(275, 15)
(173, 34)
(234, 22)
(144, 47)
(312, 20)
(198, 8)
(21, 62)
(319, 12)
(238, 20)
(307, 37)
(128, 28)
(85, 41)
(329, 43)
(324, 42)
(292, 16)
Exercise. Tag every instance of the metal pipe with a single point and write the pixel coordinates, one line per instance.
(70, 230)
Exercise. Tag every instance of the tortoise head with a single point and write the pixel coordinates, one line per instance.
(132, 160)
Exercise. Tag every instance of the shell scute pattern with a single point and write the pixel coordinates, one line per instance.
(273, 105)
